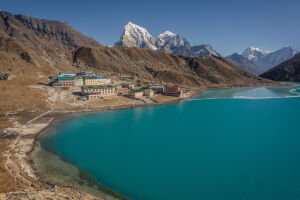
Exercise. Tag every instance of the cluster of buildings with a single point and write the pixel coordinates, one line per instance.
(77, 79)
(170, 90)
(93, 86)
(97, 91)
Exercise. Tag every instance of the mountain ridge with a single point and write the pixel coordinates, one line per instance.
(134, 35)
(265, 60)
(288, 70)
(41, 33)
(244, 63)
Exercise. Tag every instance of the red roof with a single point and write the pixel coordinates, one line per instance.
(173, 86)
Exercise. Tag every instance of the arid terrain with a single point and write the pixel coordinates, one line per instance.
(29, 104)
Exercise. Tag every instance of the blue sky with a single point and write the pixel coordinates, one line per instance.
(228, 25)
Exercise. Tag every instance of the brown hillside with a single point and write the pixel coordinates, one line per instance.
(24, 95)
(286, 71)
(162, 67)
(28, 66)
(42, 33)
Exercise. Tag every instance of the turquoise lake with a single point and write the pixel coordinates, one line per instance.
(235, 144)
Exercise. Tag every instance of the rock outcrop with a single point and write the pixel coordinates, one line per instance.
(42, 33)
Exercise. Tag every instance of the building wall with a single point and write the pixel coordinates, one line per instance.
(66, 82)
(78, 82)
(173, 91)
(149, 93)
(96, 81)
(91, 82)
(99, 92)
(105, 81)
(136, 94)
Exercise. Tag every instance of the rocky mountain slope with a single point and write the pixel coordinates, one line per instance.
(136, 36)
(254, 54)
(268, 59)
(286, 71)
(24, 67)
(204, 50)
(161, 67)
(172, 43)
(244, 63)
(42, 33)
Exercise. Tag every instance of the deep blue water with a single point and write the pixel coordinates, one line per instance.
(235, 144)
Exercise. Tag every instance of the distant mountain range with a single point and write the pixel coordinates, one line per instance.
(264, 60)
(41, 33)
(252, 60)
(286, 71)
(244, 63)
(136, 36)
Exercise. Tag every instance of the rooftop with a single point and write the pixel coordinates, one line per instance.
(86, 87)
(140, 90)
(66, 77)
(95, 77)
(173, 86)
(67, 72)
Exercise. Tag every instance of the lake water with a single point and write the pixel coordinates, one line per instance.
(237, 144)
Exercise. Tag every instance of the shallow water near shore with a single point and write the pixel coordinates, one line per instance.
(233, 144)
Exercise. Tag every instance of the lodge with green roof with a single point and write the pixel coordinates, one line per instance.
(97, 91)
(141, 92)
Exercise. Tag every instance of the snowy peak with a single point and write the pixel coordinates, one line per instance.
(254, 54)
(172, 43)
(204, 50)
(165, 38)
(244, 63)
(268, 59)
(166, 34)
(131, 27)
(136, 36)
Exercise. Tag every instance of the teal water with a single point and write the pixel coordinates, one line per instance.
(237, 144)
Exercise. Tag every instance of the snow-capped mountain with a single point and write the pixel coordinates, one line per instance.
(254, 54)
(165, 37)
(136, 36)
(276, 57)
(204, 50)
(268, 59)
(244, 63)
(169, 42)
(172, 43)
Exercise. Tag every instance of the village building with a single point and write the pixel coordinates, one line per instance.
(68, 73)
(56, 85)
(86, 73)
(141, 92)
(96, 80)
(97, 91)
(173, 90)
(78, 81)
(157, 88)
(128, 85)
(148, 92)
(54, 77)
(66, 81)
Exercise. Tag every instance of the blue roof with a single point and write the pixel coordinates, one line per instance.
(97, 77)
